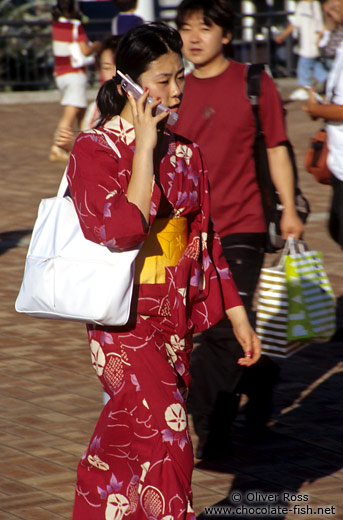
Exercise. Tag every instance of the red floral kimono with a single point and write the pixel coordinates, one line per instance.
(139, 461)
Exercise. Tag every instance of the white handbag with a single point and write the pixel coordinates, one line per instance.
(77, 58)
(68, 277)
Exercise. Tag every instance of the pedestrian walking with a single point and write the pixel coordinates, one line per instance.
(70, 80)
(308, 21)
(133, 180)
(126, 19)
(332, 113)
(217, 114)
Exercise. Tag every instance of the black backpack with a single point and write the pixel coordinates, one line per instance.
(272, 207)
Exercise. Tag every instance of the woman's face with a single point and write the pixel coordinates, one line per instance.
(107, 65)
(165, 79)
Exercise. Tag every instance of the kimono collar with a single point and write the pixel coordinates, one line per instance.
(122, 128)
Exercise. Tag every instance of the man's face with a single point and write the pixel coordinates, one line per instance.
(202, 43)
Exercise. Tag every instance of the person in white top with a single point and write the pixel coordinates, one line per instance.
(308, 21)
(332, 112)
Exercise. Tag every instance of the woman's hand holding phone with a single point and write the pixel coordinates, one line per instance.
(144, 119)
(145, 123)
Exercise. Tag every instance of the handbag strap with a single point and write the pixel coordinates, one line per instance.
(63, 187)
(75, 31)
(63, 190)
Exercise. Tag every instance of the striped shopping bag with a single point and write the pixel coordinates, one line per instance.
(296, 305)
(311, 302)
(272, 312)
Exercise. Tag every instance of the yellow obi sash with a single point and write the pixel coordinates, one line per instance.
(163, 247)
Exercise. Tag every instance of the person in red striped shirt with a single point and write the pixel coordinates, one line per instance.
(70, 77)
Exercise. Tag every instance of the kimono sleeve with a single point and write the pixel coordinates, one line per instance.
(230, 293)
(98, 176)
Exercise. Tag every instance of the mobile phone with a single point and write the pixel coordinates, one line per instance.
(128, 85)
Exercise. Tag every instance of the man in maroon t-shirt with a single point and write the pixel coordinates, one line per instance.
(216, 113)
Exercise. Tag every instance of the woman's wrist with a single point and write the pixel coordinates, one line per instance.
(237, 315)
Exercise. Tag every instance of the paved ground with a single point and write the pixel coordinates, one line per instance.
(50, 397)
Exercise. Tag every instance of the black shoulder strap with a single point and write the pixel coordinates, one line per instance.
(253, 90)
(254, 81)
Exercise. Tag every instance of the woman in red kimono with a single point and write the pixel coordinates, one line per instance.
(132, 180)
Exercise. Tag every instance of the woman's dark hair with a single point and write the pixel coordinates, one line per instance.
(218, 11)
(66, 8)
(136, 50)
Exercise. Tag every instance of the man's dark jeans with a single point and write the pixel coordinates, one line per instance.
(217, 379)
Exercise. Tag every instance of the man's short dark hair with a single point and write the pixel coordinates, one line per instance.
(218, 11)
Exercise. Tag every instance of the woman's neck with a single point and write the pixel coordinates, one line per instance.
(126, 113)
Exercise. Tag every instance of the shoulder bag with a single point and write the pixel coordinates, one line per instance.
(68, 277)
(316, 157)
(77, 58)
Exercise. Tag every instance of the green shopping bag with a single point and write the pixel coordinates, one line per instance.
(295, 304)
(311, 302)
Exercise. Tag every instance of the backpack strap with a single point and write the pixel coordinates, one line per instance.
(253, 90)
(254, 81)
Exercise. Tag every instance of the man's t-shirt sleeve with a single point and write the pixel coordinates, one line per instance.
(272, 113)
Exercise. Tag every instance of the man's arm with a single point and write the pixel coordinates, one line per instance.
(281, 172)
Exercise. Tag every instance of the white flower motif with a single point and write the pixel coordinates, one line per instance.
(98, 357)
(175, 417)
(204, 237)
(177, 343)
(172, 357)
(173, 161)
(182, 291)
(111, 194)
(117, 507)
(184, 151)
(97, 462)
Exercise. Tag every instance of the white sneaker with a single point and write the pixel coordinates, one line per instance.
(300, 94)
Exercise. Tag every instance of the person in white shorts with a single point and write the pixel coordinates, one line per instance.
(71, 78)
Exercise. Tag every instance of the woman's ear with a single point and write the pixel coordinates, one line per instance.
(120, 91)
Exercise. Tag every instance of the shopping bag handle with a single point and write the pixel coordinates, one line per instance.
(293, 247)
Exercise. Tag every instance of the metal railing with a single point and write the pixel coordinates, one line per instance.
(255, 42)
(26, 60)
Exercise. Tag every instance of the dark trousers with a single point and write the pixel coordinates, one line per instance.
(217, 379)
(336, 212)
